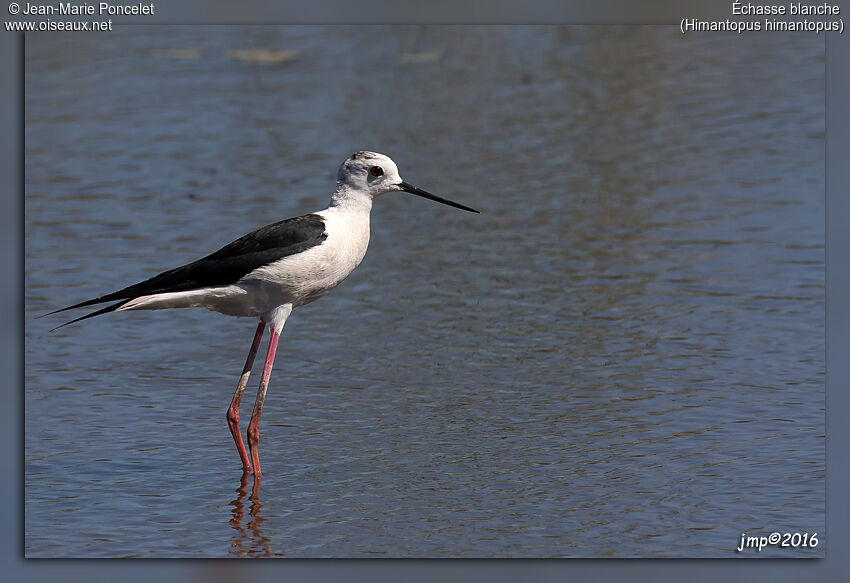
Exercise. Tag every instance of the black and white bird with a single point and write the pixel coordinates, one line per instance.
(272, 270)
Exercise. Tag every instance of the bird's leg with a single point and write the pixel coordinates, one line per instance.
(233, 410)
(254, 425)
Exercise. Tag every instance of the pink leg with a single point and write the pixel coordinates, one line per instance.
(233, 410)
(254, 425)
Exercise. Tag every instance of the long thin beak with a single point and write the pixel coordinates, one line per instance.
(419, 192)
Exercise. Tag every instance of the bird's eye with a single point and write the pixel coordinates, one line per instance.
(376, 171)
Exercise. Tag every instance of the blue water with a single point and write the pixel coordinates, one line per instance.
(623, 355)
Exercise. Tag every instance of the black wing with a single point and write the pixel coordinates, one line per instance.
(224, 267)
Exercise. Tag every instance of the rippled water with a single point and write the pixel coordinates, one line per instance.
(623, 355)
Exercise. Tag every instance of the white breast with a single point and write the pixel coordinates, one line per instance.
(305, 277)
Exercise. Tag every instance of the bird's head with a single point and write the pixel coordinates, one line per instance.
(369, 172)
(375, 174)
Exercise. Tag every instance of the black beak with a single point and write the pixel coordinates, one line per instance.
(419, 192)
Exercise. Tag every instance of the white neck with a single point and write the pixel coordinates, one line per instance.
(351, 200)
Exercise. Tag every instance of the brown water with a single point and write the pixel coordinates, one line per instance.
(623, 355)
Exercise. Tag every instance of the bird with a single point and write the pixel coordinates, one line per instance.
(271, 271)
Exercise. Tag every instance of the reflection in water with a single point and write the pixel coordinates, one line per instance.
(249, 541)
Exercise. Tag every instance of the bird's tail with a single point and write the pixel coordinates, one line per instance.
(106, 310)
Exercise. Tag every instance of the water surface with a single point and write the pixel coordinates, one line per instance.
(623, 355)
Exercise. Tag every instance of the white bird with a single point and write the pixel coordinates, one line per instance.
(272, 270)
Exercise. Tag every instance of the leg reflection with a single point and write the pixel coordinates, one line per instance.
(249, 541)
